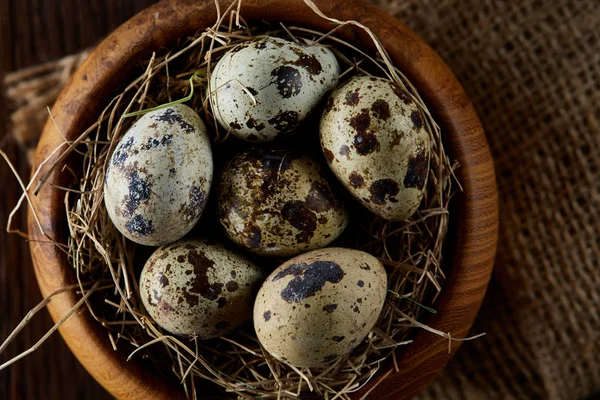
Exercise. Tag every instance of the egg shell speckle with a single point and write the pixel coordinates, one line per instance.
(320, 305)
(159, 176)
(373, 137)
(277, 202)
(287, 80)
(194, 287)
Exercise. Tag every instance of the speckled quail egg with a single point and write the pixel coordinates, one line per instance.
(267, 86)
(277, 202)
(320, 305)
(373, 137)
(159, 176)
(196, 287)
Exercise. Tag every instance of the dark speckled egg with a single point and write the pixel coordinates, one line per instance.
(159, 176)
(194, 287)
(320, 305)
(265, 87)
(374, 138)
(278, 202)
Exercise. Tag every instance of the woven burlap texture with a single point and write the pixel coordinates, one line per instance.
(532, 70)
(30, 91)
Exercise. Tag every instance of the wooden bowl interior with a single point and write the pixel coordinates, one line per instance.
(473, 233)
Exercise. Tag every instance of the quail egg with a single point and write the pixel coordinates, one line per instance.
(159, 176)
(373, 136)
(266, 87)
(278, 202)
(320, 305)
(196, 287)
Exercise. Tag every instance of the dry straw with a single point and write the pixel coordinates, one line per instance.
(107, 267)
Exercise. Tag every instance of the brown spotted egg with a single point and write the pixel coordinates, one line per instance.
(159, 176)
(278, 202)
(266, 87)
(373, 136)
(320, 305)
(194, 287)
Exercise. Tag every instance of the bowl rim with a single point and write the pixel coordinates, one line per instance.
(474, 230)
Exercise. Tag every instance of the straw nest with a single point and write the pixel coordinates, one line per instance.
(107, 265)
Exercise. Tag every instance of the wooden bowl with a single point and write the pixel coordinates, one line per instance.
(473, 230)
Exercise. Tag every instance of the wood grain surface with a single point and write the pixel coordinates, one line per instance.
(33, 32)
(474, 238)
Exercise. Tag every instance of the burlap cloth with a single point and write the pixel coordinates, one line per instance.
(532, 69)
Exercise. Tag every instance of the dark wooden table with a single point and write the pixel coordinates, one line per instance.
(32, 32)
